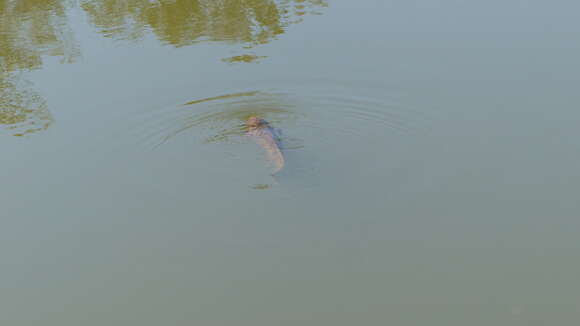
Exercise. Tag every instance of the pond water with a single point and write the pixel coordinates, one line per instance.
(431, 162)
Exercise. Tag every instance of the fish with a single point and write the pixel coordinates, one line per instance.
(269, 139)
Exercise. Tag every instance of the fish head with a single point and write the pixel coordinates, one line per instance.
(254, 122)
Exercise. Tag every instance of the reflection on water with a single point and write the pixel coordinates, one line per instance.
(22, 110)
(184, 22)
(34, 28)
(30, 29)
(247, 58)
(222, 118)
(261, 186)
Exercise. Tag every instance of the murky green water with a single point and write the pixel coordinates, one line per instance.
(431, 172)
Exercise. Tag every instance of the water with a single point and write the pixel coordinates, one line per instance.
(431, 170)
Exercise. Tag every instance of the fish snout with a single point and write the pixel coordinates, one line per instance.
(255, 122)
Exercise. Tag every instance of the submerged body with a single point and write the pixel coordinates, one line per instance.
(268, 138)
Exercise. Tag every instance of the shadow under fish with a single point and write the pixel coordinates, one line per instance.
(269, 139)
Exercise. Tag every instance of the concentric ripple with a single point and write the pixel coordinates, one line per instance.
(327, 113)
(220, 118)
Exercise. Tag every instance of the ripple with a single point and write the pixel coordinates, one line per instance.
(220, 119)
(328, 112)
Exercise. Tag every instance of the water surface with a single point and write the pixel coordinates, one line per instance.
(431, 170)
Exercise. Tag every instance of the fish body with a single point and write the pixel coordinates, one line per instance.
(269, 139)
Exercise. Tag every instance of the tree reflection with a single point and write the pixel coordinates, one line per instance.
(22, 110)
(183, 22)
(32, 28)
(29, 30)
